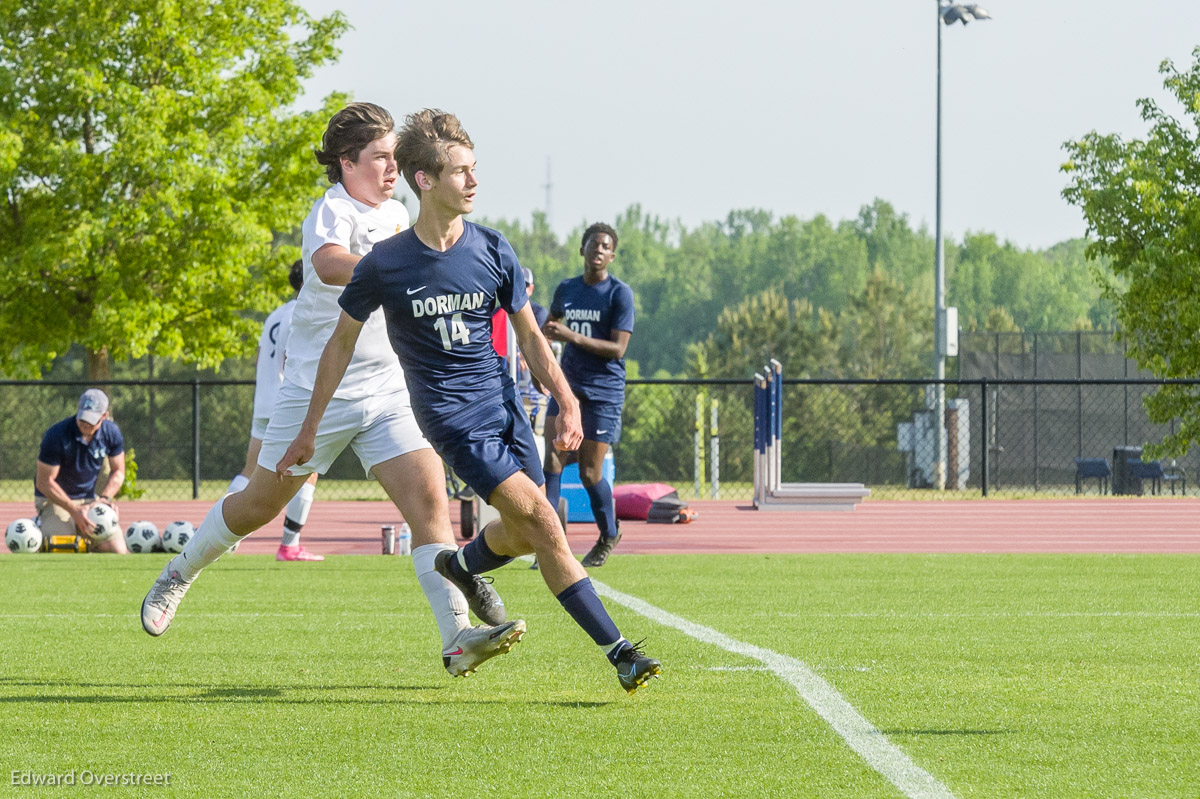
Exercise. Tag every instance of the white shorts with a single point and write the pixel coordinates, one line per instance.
(378, 428)
(258, 428)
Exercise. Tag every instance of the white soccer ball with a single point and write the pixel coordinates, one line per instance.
(23, 536)
(142, 537)
(104, 522)
(176, 535)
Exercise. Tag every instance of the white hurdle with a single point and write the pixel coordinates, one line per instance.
(769, 492)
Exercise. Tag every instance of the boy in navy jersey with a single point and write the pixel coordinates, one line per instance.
(438, 284)
(593, 316)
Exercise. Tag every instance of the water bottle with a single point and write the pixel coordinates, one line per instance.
(389, 539)
(404, 540)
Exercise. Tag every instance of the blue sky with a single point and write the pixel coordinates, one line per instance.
(694, 109)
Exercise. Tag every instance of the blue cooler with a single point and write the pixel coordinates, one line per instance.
(579, 505)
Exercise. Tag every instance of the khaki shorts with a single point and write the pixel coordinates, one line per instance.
(54, 519)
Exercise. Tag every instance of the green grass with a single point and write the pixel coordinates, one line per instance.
(1003, 676)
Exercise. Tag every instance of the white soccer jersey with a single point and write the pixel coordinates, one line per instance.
(271, 343)
(337, 218)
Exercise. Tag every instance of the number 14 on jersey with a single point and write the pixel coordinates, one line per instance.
(455, 331)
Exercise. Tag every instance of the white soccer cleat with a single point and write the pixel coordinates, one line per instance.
(473, 645)
(159, 606)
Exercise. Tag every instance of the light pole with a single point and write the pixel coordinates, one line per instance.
(948, 14)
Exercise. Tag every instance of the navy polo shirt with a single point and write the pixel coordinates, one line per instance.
(79, 462)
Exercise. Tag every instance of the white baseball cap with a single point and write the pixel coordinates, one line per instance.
(93, 404)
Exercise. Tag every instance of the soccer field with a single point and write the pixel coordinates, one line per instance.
(957, 675)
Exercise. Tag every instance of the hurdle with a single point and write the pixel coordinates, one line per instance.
(770, 493)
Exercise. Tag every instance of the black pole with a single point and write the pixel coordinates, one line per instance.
(1125, 388)
(1079, 394)
(1036, 441)
(195, 438)
(983, 407)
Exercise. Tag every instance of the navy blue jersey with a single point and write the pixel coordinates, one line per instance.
(78, 462)
(438, 307)
(594, 311)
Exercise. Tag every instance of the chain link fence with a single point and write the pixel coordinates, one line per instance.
(1002, 438)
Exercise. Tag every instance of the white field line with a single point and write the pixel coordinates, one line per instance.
(862, 736)
(131, 616)
(1113, 614)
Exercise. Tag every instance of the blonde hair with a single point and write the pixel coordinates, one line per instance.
(424, 144)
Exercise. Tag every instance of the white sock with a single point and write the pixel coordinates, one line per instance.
(211, 541)
(237, 484)
(296, 514)
(447, 602)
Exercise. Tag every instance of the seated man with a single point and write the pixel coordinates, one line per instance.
(68, 464)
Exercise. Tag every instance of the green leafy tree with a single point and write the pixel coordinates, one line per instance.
(148, 162)
(893, 246)
(767, 326)
(889, 333)
(999, 320)
(1141, 200)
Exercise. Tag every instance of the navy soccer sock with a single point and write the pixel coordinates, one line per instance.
(476, 558)
(602, 508)
(583, 603)
(553, 488)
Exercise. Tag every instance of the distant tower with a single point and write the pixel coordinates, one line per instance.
(549, 185)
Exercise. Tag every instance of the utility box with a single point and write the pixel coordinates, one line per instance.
(1123, 481)
(958, 444)
(918, 441)
(951, 332)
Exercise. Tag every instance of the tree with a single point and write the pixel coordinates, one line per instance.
(768, 326)
(148, 164)
(888, 334)
(1140, 200)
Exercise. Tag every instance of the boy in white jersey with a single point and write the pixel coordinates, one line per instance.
(370, 411)
(268, 377)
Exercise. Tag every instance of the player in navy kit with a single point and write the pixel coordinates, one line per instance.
(592, 315)
(438, 284)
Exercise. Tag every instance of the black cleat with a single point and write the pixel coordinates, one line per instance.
(599, 553)
(634, 669)
(483, 600)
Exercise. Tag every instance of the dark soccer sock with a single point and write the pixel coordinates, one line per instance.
(476, 558)
(602, 508)
(553, 488)
(291, 532)
(583, 603)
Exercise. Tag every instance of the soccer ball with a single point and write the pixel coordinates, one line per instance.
(176, 535)
(142, 537)
(104, 522)
(23, 536)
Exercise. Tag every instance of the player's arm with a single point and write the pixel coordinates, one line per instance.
(116, 478)
(546, 371)
(334, 360)
(334, 264)
(613, 348)
(46, 480)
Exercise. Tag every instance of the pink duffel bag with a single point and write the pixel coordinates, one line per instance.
(634, 501)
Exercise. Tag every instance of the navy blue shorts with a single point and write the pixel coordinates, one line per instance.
(491, 448)
(601, 420)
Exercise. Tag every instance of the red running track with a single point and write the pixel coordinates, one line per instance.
(1107, 525)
